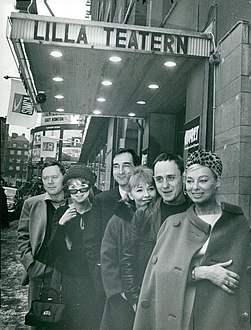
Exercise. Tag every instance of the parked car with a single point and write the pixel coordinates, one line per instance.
(10, 192)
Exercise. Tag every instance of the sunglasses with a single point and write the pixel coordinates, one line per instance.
(73, 191)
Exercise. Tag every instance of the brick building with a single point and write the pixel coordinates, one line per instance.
(3, 138)
(16, 159)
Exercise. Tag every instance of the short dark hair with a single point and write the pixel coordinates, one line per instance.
(54, 163)
(170, 156)
(135, 157)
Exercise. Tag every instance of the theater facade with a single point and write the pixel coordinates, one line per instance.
(150, 75)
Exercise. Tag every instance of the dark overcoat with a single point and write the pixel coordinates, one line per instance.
(118, 312)
(168, 273)
(103, 208)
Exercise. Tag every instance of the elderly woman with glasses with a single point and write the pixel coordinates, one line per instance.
(67, 249)
(198, 276)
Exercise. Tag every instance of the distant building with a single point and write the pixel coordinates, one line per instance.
(3, 138)
(16, 159)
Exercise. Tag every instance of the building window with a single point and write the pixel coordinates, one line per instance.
(14, 145)
(12, 152)
(19, 152)
(17, 168)
(25, 145)
(18, 160)
(10, 168)
(26, 153)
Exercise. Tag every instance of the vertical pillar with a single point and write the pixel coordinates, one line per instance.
(233, 116)
(109, 153)
(159, 136)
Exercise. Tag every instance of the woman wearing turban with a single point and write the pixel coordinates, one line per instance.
(198, 276)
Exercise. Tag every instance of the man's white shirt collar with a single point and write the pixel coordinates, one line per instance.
(122, 193)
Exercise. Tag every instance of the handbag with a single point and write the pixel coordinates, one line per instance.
(48, 310)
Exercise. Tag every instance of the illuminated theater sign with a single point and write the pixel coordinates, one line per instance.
(116, 36)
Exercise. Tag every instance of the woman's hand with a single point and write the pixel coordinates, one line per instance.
(69, 214)
(219, 275)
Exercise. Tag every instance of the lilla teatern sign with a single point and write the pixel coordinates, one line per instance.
(107, 35)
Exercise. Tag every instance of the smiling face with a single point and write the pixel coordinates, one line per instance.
(123, 168)
(168, 181)
(201, 184)
(142, 194)
(79, 190)
(52, 180)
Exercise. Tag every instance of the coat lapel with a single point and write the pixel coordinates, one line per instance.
(38, 228)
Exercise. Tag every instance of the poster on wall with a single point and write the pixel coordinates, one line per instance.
(192, 136)
(48, 147)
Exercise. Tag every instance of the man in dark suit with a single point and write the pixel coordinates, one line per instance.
(104, 206)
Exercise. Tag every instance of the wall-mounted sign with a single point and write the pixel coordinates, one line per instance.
(93, 34)
(21, 111)
(53, 118)
(192, 140)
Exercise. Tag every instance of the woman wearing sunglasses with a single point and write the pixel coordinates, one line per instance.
(68, 254)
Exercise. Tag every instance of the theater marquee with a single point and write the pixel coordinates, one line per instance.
(107, 35)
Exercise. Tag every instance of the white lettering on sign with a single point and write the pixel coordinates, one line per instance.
(192, 137)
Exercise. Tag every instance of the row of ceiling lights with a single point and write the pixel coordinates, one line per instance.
(114, 59)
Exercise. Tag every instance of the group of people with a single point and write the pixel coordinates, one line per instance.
(156, 252)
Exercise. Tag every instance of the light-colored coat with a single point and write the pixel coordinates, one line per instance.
(168, 274)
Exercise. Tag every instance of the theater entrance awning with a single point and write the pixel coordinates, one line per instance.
(86, 48)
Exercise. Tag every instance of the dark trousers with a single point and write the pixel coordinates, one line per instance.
(118, 314)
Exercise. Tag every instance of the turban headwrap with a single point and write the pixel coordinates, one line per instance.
(205, 158)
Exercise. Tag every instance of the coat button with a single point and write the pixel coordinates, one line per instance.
(176, 222)
(154, 259)
(244, 317)
(145, 303)
(248, 270)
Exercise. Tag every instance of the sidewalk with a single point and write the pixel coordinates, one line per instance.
(13, 296)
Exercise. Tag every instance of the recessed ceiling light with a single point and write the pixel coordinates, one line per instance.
(106, 83)
(115, 59)
(57, 79)
(97, 112)
(153, 86)
(56, 53)
(141, 102)
(59, 96)
(170, 64)
(60, 110)
(131, 114)
(101, 99)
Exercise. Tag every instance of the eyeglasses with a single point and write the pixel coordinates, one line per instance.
(82, 190)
